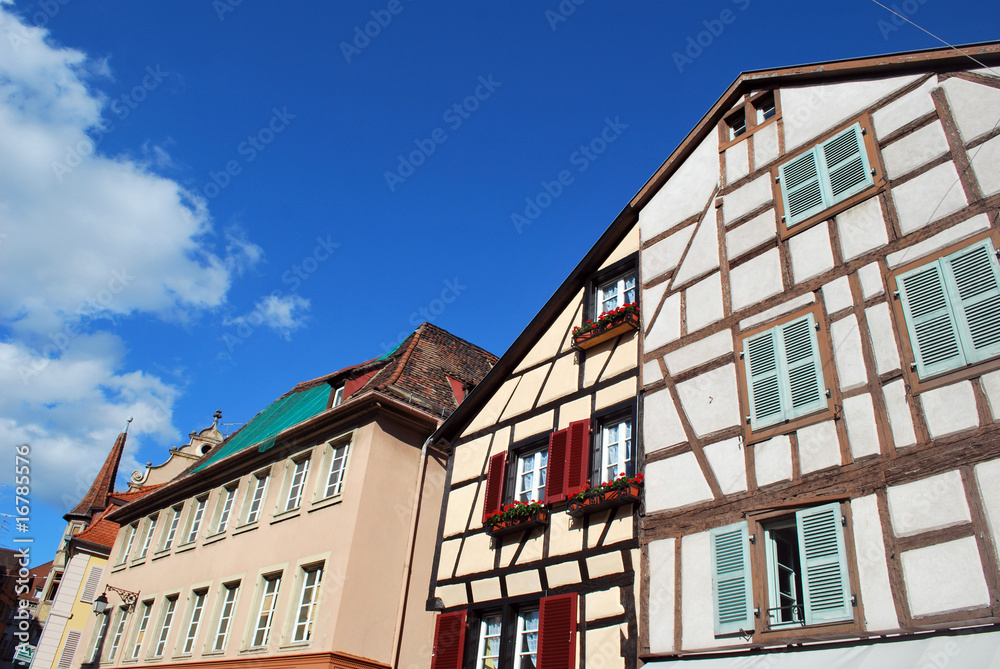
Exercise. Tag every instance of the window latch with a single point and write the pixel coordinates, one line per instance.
(864, 130)
(777, 178)
(752, 538)
(818, 328)
(913, 366)
(828, 393)
(756, 612)
(895, 294)
(748, 419)
(843, 521)
(854, 600)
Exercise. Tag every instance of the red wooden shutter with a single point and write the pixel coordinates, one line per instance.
(577, 457)
(557, 632)
(494, 484)
(449, 641)
(353, 385)
(555, 477)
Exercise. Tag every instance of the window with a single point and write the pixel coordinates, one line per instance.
(830, 173)
(175, 519)
(531, 476)
(803, 560)
(755, 111)
(765, 107)
(130, 533)
(488, 655)
(196, 515)
(338, 467)
(311, 579)
(783, 373)
(616, 448)
(149, 536)
(737, 124)
(951, 307)
(338, 396)
(616, 293)
(197, 606)
(167, 618)
(116, 638)
(54, 587)
(101, 631)
(144, 610)
(258, 488)
(225, 507)
(229, 593)
(526, 649)
(296, 484)
(265, 613)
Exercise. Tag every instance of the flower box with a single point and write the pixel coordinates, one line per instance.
(607, 327)
(607, 499)
(537, 518)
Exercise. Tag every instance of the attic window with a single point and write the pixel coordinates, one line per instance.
(765, 107)
(338, 396)
(206, 448)
(737, 124)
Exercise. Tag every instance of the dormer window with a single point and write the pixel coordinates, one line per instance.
(338, 396)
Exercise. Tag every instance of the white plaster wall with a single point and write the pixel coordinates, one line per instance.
(986, 165)
(729, 464)
(746, 198)
(819, 447)
(449, 558)
(847, 352)
(703, 254)
(756, 280)
(650, 301)
(950, 409)
(651, 373)
(737, 161)
(699, 352)
(661, 595)
(456, 516)
(871, 280)
(664, 255)
(988, 481)
(812, 252)
(939, 241)
(605, 564)
(711, 401)
(899, 414)
(476, 555)
(916, 149)
(862, 430)
(697, 609)
(928, 197)
(991, 386)
(778, 310)
(931, 503)
(945, 577)
(563, 538)
(765, 145)
(686, 192)
(908, 108)
(667, 326)
(862, 228)
(675, 482)
(661, 425)
(757, 231)
(773, 460)
(873, 572)
(973, 106)
(489, 414)
(704, 302)
(883, 338)
(837, 295)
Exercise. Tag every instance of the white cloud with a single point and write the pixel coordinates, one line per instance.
(282, 313)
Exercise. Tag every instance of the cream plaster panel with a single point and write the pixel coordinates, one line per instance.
(873, 572)
(623, 358)
(556, 338)
(620, 527)
(986, 165)
(711, 400)
(945, 577)
(915, 150)
(755, 280)
(651, 373)
(448, 559)
(452, 595)
(755, 232)
(746, 198)
(765, 146)
(576, 410)
(931, 503)
(604, 604)
(604, 647)
(950, 409)
(459, 502)
(928, 197)
(650, 298)
(773, 460)
(563, 538)
(605, 564)
(908, 108)
(704, 302)
(526, 394)
(862, 430)
(489, 414)
(703, 254)
(533, 426)
(862, 228)
(675, 482)
(523, 583)
(871, 280)
(974, 106)
(991, 386)
(729, 464)
(701, 351)
(470, 458)
(776, 311)
(621, 391)
(486, 590)
(812, 252)
(899, 414)
(939, 241)
(837, 295)
(476, 555)
(988, 480)
(811, 110)
(847, 352)
(593, 362)
(686, 191)
(819, 447)
(563, 380)
(667, 327)
(563, 573)
(532, 551)
(661, 424)
(883, 337)
(625, 248)
(664, 255)
(697, 609)
(737, 162)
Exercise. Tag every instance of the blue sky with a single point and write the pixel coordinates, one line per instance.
(204, 203)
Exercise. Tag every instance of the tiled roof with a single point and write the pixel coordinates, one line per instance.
(102, 531)
(96, 498)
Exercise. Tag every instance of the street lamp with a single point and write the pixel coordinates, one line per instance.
(128, 598)
(100, 604)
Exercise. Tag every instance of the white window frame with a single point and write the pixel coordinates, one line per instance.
(484, 627)
(150, 528)
(296, 477)
(198, 598)
(116, 638)
(171, 534)
(534, 462)
(338, 396)
(227, 611)
(127, 548)
(227, 500)
(261, 624)
(101, 630)
(310, 582)
(256, 495)
(140, 630)
(336, 459)
(626, 448)
(621, 288)
(197, 515)
(165, 622)
(524, 631)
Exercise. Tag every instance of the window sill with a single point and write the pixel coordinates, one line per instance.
(186, 547)
(326, 501)
(213, 653)
(298, 645)
(138, 561)
(763, 434)
(285, 515)
(256, 650)
(608, 500)
(598, 336)
(161, 554)
(118, 567)
(529, 523)
(212, 538)
(240, 529)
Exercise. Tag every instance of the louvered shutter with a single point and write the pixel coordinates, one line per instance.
(449, 641)
(801, 191)
(90, 586)
(555, 477)
(929, 320)
(845, 164)
(760, 357)
(802, 368)
(973, 282)
(494, 484)
(69, 650)
(824, 564)
(557, 632)
(731, 588)
(577, 460)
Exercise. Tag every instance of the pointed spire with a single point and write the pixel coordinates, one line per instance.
(96, 498)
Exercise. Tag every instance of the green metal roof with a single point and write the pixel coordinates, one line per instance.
(280, 415)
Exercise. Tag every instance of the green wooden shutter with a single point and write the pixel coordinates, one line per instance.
(824, 564)
(803, 370)
(760, 357)
(973, 281)
(930, 321)
(801, 191)
(731, 589)
(845, 165)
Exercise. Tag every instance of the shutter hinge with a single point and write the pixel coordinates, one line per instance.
(997, 253)
(818, 326)
(756, 612)
(777, 178)
(783, 219)
(864, 130)
(743, 355)
(748, 419)
(913, 366)
(828, 393)
(895, 295)
(843, 521)
(752, 538)
(854, 600)
(874, 171)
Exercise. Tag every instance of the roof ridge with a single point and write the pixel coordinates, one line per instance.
(96, 498)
